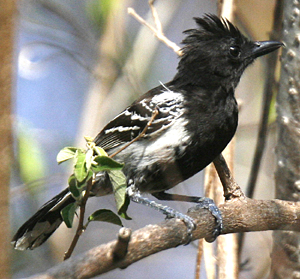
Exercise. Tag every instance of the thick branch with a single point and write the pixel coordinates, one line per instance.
(230, 187)
(8, 12)
(239, 215)
(285, 258)
(269, 91)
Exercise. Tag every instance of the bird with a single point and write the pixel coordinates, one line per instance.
(196, 116)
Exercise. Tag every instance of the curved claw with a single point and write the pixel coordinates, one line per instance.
(209, 204)
(190, 224)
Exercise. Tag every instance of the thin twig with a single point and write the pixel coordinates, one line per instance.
(209, 248)
(80, 226)
(158, 33)
(199, 258)
(155, 17)
(154, 114)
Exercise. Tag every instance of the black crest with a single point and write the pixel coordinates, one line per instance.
(212, 27)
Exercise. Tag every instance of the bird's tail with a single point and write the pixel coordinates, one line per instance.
(43, 223)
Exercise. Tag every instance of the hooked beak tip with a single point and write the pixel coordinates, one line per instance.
(264, 47)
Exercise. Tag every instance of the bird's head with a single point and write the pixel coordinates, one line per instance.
(217, 53)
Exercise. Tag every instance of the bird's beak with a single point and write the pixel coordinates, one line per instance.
(265, 47)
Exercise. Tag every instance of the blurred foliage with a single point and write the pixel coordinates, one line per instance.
(30, 157)
(99, 10)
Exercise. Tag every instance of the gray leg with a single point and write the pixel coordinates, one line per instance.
(205, 203)
(136, 196)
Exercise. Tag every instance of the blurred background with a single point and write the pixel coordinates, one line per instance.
(79, 63)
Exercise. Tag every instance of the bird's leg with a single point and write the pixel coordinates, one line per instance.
(136, 196)
(205, 203)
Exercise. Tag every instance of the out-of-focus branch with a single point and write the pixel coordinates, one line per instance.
(269, 91)
(272, 60)
(238, 215)
(158, 32)
(7, 16)
(226, 9)
(285, 257)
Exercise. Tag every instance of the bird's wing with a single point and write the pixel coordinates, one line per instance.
(130, 123)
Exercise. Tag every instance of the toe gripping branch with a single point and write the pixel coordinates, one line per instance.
(209, 204)
(205, 203)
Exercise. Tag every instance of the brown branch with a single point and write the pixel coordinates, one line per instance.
(231, 188)
(268, 93)
(227, 9)
(199, 259)
(239, 215)
(227, 252)
(8, 13)
(121, 248)
(80, 226)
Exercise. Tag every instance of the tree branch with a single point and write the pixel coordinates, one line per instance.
(239, 215)
(230, 187)
(8, 14)
(269, 91)
(80, 226)
(156, 31)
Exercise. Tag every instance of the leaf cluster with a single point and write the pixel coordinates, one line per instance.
(87, 163)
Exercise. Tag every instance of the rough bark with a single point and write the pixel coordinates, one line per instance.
(238, 214)
(7, 9)
(285, 255)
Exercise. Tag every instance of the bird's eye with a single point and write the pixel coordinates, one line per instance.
(235, 51)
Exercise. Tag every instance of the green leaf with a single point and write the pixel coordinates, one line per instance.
(119, 184)
(80, 169)
(80, 185)
(88, 139)
(106, 215)
(83, 183)
(68, 213)
(105, 163)
(65, 154)
(100, 151)
(74, 189)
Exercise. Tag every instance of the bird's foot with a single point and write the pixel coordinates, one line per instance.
(207, 203)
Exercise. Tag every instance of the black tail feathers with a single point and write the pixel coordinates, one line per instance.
(43, 223)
